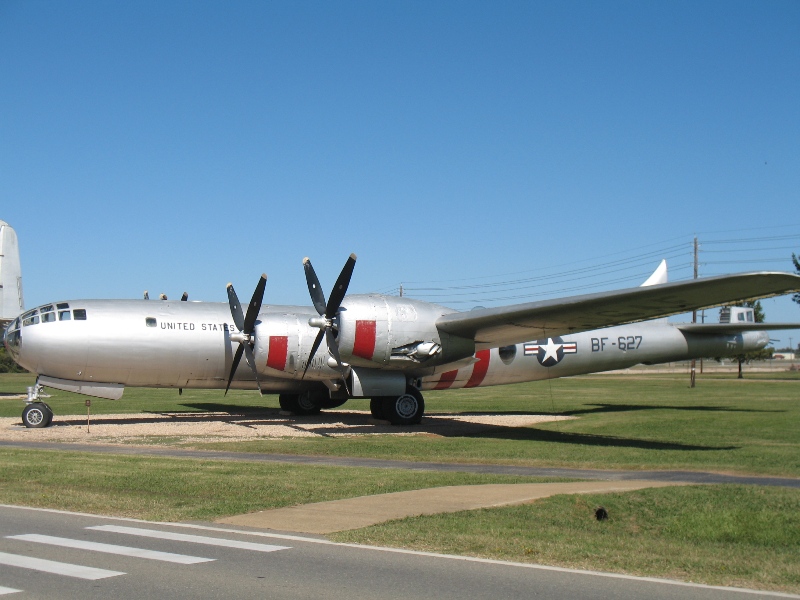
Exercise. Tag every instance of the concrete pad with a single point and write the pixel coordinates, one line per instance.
(353, 513)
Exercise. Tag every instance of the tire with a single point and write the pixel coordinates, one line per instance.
(406, 409)
(288, 402)
(36, 415)
(49, 414)
(376, 407)
(329, 403)
(299, 404)
(308, 403)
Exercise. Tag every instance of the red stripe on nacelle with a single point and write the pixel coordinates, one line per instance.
(480, 368)
(364, 345)
(278, 349)
(446, 380)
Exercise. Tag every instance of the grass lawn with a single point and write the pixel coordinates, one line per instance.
(744, 536)
(731, 535)
(171, 489)
(745, 426)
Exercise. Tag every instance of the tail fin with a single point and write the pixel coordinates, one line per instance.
(658, 276)
(11, 300)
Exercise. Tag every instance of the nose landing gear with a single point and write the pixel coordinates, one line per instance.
(36, 414)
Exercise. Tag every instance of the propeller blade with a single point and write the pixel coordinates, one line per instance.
(251, 360)
(236, 308)
(334, 350)
(314, 348)
(255, 306)
(314, 288)
(237, 357)
(340, 289)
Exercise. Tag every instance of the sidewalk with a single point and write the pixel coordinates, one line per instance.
(363, 511)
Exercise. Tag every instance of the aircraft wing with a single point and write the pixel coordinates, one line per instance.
(733, 327)
(493, 327)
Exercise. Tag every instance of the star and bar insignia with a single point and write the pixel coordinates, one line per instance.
(550, 352)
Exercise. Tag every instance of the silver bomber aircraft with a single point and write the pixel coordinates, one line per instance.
(386, 348)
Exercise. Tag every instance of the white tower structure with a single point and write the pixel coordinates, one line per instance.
(11, 300)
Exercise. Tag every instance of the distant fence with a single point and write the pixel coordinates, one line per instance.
(712, 366)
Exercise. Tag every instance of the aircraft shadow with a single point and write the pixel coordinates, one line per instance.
(534, 434)
(233, 409)
(333, 423)
(612, 408)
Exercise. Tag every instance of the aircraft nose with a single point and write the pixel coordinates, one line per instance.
(12, 339)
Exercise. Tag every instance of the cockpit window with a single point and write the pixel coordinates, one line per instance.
(64, 315)
(150, 322)
(62, 305)
(30, 318)
(48, 317)
(79, 314)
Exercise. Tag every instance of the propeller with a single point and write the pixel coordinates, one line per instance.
(328, 310)
(246, 325)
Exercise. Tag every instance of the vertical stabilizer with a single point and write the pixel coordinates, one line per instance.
(658, 276)
(11, 301)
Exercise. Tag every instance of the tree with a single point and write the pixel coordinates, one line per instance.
(796, 262)
(7, 364)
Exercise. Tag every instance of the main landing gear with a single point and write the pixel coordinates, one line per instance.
(36, 414)
(406, 409)
(309, 402)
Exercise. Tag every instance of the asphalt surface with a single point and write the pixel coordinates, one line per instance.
(593, 474)
(87, 556)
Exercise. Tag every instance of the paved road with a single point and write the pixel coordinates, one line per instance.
(686, 476)
(51, 554)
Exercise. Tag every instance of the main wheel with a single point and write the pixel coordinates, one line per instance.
(406, 409)
(300, 404)
(376, 406)
(36, 415)
(329, 403)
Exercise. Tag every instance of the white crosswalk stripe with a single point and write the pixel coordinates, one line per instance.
(57, 568)
(5, 590)
(110, 549)
(182, 537)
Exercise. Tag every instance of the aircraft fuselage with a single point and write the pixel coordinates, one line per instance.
(142, 343)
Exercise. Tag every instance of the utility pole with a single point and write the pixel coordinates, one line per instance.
(694, 312)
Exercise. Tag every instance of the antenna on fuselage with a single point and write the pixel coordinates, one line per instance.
(162, 297)
(146, 295)
(185, 296)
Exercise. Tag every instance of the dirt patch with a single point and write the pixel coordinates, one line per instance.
(189, 427)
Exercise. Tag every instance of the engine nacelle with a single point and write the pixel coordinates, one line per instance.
(392, 333)
(283, 343)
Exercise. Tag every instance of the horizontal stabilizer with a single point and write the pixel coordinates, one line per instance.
(733, 327)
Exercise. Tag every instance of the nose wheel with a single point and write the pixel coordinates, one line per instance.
(37, 414)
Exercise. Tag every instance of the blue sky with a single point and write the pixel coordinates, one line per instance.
(178, 146)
